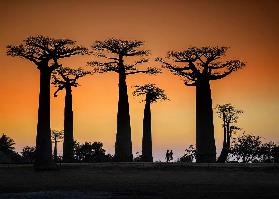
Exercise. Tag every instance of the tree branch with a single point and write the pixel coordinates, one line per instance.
(150, 70)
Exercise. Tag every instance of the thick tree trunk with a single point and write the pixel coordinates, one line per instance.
(123, 144)
(147, 137)
(205, 142)
(68, 143)
(224, 153)
(43, 139)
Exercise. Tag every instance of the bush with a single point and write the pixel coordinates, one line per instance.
(28, 154)
(91, 152)
(189, 156)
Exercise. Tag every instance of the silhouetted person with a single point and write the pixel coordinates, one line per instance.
(168, 156)
(199, 66)
(115, 53)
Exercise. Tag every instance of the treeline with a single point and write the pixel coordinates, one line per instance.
(246, 148)
(83, 152)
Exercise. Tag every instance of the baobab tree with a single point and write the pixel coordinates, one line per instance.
(66, 78)
(56, 137)
(152, 94)
(44, 52)
(113, 56)
(197, 67)
(229, 115)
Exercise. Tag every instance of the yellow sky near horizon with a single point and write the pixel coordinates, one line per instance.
(249, 28)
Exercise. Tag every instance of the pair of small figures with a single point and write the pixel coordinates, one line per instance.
(169, 155)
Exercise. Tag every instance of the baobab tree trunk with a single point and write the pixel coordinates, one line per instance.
(147, 138)
(205, 142)
(43, 139)
(224, 153)
(123, 145)
(68, 143)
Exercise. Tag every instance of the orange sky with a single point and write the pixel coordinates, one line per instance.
(250, 28)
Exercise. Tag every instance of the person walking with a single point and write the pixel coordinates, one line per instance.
(168, 156)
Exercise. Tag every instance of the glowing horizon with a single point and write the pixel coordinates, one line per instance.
(249, 28)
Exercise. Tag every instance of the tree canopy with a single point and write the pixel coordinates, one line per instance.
(112, 52)
(196, 63)
(228, 113)
(42, 49)
(65, 76)
(57, 135)
(152, 93)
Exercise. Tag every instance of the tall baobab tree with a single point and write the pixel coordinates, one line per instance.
(152, 94)
(56, 137)
(44, 52)
(229, 115)
(66, 78)
(113, 56)
(199, 66)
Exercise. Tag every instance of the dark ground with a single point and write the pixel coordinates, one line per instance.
(138, 180)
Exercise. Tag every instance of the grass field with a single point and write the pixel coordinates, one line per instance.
(141, 180)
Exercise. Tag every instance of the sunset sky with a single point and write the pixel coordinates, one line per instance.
(250, 28)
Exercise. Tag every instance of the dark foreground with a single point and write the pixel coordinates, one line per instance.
(138, 180)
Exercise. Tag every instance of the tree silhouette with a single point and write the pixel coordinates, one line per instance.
(56, 137)
(114, 55)
(269, 152)
(66, 78)
(275, 153)
(190, 154)
(197, 67)
(44, 52)
(152, 94)
(91, 152)
(28, 154)
(6, 143)
(246, 147)
(229, 114)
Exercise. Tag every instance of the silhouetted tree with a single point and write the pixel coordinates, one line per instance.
(91, 152)
(76, 151)
(28, 154)
(229, 115)
(112, 54)
(56, 137)
(7, 149)
(6, 143)
(152, 94)
(275, 153)
(66, 78)
(44, 52)
(268, 152)
(246, 147)
(190, 154)
(138, 157)
(198, 66)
